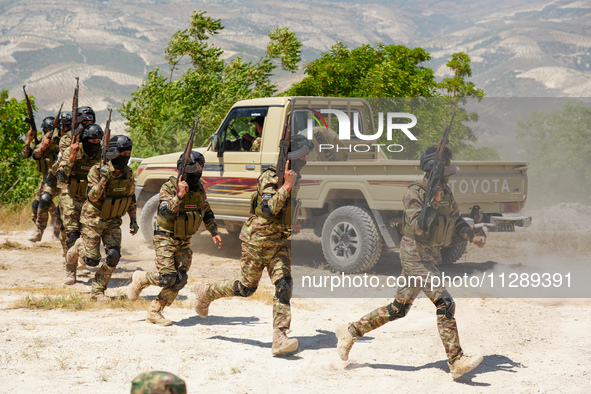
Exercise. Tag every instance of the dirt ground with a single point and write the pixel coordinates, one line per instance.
(529, 345)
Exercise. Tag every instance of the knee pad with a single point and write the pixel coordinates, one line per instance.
(284, 289)
(35, 206)
(166, 280)
(113, 256)
(45, 200)
(181, 280)
(243, 291)
(71, 238)
(450, 305)
(397, 310)
(91, 262)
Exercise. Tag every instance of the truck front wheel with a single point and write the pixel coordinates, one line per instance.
(452, 253)
(148, 216)
(351, 242)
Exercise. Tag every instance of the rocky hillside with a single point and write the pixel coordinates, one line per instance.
(519, 48)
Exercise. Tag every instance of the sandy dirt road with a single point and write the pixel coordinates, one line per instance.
(529, 345)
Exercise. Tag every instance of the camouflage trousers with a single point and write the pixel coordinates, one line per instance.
(172, 255)
(418, 278)
(254, 259)
(93, 231)
(40, 216)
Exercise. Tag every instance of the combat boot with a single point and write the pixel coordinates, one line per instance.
(99, 296)
(36, 235)
(282, 343)
(139, 282)
(202, 300)
(155, 314)
(72, 256)
(70, 276)
(345, 341)
(463, 365)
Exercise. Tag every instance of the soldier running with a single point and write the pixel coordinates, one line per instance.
(419, 250)
(265, 244)
(180, 212)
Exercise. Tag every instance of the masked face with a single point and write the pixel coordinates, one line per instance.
(297, 165)
(120, 162)
(193, 181)
(90, 148)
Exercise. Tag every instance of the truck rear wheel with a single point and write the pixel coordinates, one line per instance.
(148, 217)
(452, 253)
(351, 242)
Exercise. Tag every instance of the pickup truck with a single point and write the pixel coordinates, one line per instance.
(351, 195)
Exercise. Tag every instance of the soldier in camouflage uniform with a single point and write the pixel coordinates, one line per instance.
(111, 194)
(158, 382)
(180, 213)
(265, 244)
(426, 230)
(73, 169)
(45, 155)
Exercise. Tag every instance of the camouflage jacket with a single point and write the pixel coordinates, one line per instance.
(168, 195)
(256, 144)
(414, 200)
(258, 230)
(97, 190)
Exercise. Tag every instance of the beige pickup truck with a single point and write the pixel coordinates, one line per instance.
(351, 192)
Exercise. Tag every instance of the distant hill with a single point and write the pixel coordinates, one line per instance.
(520, 48)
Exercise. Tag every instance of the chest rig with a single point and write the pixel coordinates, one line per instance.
(189, 218)
(441, 231)
(118, 197)
(78, 182)
(45, 163)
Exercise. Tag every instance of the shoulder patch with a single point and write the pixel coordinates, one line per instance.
(267, 196)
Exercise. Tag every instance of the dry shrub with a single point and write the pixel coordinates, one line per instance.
(16, 217)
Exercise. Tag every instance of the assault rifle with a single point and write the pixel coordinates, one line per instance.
(31, 119)
(187, 153)
(439, 165)
(106, 138)
(56, 121)
(284, 145)
(75, 129)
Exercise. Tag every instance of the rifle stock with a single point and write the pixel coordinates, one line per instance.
(187, 153)
(75, 128)
(106, 139)
(439, 165)
(31, 119)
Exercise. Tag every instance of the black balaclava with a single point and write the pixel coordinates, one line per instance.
(120, 162)
(90, 148)
(193, 181)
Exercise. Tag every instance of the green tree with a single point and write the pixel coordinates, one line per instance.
(557, 146)
(161, 111)
(457, 86)
(18, 177)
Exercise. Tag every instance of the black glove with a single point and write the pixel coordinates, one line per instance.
(426, 218)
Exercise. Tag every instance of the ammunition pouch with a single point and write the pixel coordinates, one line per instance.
(77, 188)
(187, 224)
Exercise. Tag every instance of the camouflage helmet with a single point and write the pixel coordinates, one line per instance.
(86, 114)
(428, 157)
(300, 146)
(195, 163)
(91, 131)
(47, 124)
(158, 382)
(118, 144)
(66, 119)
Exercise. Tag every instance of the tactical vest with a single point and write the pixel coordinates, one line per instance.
(45, 163)
(284, 217)
(442, 228)
(118, 197)
(78, 182)
(188, 220)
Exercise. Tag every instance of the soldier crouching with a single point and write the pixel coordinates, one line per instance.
(180, 213)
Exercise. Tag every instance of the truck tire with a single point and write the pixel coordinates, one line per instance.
(351, 242)
(452, 253)
(148, 216)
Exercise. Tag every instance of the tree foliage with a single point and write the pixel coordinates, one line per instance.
(161, 111)
(557, 145)
(19, 177)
